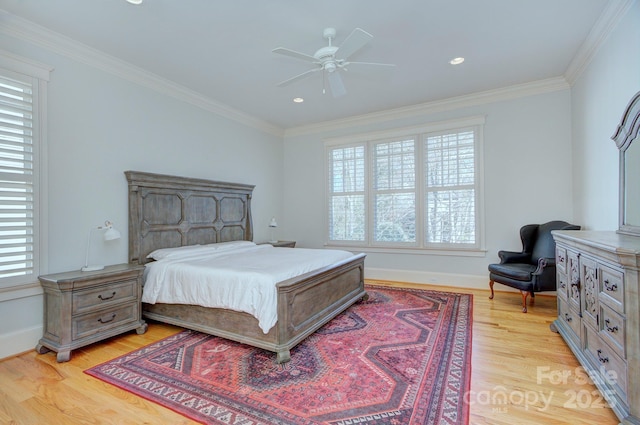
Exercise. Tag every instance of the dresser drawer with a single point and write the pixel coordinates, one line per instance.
(562, 287)
(607, 364)
(104, 295)
(612, 329)
(561, 259)
(571, 318)
(612, 288)
(100, 321)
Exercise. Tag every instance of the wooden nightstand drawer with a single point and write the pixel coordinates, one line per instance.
(90, 299)
(100, 321)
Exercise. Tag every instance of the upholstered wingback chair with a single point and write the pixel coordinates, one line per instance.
(534, 269)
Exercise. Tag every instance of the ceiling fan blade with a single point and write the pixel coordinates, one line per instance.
(297, 77)
(346, 64)
(356, 41)
(335, 82)
(294, 54)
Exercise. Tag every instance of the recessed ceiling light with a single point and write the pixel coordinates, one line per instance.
(456, 61)
(298, 99)
(136, 2)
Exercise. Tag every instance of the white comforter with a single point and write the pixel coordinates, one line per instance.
(240, 277)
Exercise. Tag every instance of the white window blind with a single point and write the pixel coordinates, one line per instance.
(16, 178)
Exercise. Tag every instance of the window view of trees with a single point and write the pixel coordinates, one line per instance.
(419, 191)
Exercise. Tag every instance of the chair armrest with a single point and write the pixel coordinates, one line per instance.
(545, 263)
(513, 257)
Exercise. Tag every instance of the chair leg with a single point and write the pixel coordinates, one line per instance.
(491, 287)
(525, 294)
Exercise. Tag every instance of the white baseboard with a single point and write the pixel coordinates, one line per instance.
(432, 278)
(19, 341)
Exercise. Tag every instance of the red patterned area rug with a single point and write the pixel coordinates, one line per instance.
(401, 357)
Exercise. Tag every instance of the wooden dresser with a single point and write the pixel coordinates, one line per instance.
(599, 312)
(81, 308)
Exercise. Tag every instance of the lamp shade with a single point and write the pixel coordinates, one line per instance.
(111, 233)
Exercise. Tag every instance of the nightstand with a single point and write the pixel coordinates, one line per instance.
(81, 308)
(283, 244)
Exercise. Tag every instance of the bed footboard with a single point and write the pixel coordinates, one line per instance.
(305, 304)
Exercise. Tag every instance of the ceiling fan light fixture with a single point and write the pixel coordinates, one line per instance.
(330, 66)
(456, 61)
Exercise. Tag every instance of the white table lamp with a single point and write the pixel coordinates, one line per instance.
(110, 234)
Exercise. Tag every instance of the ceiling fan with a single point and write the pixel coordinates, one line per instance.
(331, 60)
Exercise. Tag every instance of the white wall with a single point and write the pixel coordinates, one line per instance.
(101, 125)
(599, 97)
(527, 175)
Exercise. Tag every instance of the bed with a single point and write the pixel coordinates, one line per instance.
(170, 211)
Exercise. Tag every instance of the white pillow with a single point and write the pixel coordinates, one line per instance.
(162, 253)
(223, 246)
(187, 250)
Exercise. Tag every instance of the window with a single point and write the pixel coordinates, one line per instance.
(347, 212)
(450, 188)
(20, 135)
(414, 188)
(394, 191)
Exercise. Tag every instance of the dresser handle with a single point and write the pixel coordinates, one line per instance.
(107, 298)
(567, 317)
(101, 320)
(602, 359)
(609, 328)
(610, 287)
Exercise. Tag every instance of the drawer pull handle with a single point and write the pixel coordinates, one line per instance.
(113, 294)
(610, 286)
(113, 316)
(602, 359)
(609, 328)
(567, 317)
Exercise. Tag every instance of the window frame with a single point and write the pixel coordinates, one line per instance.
(418, 133)
(37, 75)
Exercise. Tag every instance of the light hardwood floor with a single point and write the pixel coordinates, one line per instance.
(522, 373)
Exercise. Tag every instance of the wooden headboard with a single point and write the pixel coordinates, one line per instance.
(170, 211)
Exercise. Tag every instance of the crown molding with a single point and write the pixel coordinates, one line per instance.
(30, 32)
(475, 99)
(607, 22)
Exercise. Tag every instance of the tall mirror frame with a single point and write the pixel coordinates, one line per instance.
(626, 133)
